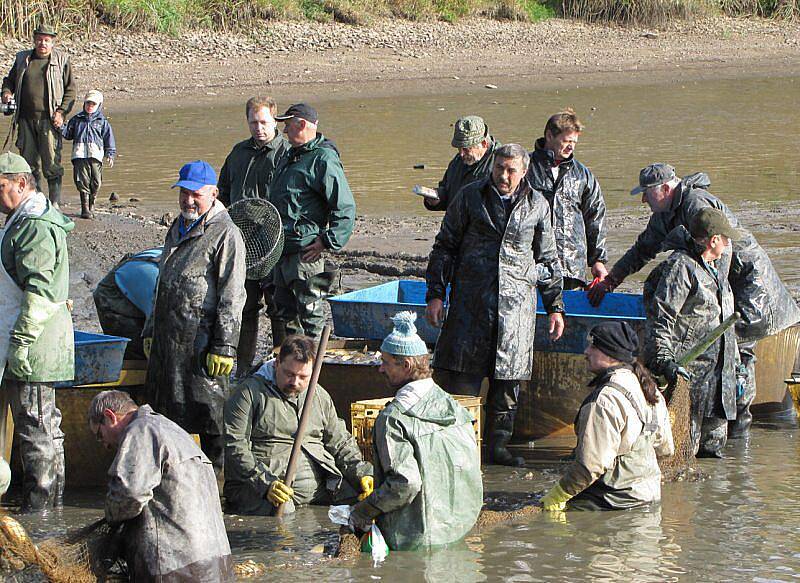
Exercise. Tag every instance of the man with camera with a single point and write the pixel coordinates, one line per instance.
(41, 85)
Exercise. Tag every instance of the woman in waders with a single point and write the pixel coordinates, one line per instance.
(622, 427)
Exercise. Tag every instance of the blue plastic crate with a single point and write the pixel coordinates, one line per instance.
(366, 314)
(98, 359)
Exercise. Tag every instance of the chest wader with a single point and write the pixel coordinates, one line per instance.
(617, 488)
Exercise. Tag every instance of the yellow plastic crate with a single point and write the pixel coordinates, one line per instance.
(364, 413)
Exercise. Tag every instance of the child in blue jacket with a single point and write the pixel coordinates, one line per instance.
(92, 140)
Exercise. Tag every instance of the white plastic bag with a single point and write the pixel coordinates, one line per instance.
(380, 550)
(339, 514)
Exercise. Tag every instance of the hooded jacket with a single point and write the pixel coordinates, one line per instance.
(428, 485)
(34, 253)
(197, 311)
(494, 263)
(249, 168)
(759, 294)
(312, 195)
(91, 135)
(458, 175)
(260, 427)
(684, 300)
(577, 208)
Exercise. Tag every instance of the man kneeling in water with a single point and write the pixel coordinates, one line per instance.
(621, 426)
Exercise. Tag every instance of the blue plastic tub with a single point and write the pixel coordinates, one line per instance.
(366, 314)
(98, 359)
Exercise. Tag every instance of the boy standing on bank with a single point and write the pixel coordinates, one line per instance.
(92, 140)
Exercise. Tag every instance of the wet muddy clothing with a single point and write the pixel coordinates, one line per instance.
(197, 311)
(685, 298)
(260, 426)
(577, 208)
(459, 175)
(766, 305)
(249, 168)
(620, 436)
(493, 262)
(164, 490)
(428, 485)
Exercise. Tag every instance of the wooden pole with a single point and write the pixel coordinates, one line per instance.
(308, 405)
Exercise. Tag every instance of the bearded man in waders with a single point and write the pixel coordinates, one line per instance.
(36, 341)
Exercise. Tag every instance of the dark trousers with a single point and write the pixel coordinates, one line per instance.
(88, 176)
(746, 390)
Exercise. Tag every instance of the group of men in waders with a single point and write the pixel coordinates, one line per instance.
(515, 223)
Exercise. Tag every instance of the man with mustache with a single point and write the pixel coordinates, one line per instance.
(495, 248)
(191, 335)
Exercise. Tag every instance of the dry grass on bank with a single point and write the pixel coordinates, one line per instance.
(78, 17)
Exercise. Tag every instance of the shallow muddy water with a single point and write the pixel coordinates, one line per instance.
(740, 523)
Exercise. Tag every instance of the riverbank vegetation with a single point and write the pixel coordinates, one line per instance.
(19, 17)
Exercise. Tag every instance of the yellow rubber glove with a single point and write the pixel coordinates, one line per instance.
(278, 493)
(147, 346)
(367, 487)
(556, 499)
(218, 365)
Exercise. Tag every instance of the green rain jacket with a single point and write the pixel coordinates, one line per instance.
(248, 170)
(312, 195)
(34, 253)
(260, 426)
(428, 487)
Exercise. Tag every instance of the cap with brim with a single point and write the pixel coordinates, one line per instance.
(710, 221)
(469, 131)
(45, 29)
(195, 175)
(11, 163)
(94, 96)
(654, 175)
(300, 110)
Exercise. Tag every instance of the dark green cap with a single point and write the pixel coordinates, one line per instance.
(654, 175)
(469, 131)
(709, 222)
(11, 163)
(44, 28)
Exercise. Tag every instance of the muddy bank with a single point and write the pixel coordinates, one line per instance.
(315, 61)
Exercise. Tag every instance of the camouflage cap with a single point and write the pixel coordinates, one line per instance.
(44, 28)
(11, 163)
(468, 131)
(655, 174)
(709, 222)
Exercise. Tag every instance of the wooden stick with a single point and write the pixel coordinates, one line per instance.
(308, 404)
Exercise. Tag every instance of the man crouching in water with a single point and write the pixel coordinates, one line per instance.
(621, 426)
(163, 489)
(428, 488)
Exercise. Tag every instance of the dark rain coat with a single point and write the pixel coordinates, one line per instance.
(684, 300)
(458, 175)
(313, 197)
(766, 305)
(428, 485)
(493, 264)
(198, 310)
(578, 210)
(248, 170)
(164, 490)
(260, 426)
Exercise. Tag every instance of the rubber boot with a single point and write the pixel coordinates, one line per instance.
(86, 213)
(92, 197)
(501, 429)
(278, 331)
(54, 191)
(248, 343)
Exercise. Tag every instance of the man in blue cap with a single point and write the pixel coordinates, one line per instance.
(428, 488)
(193, 331)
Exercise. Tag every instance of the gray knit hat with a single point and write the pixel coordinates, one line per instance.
(468, 131)
(404, 340)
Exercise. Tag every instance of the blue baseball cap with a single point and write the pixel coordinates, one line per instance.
(195, 175)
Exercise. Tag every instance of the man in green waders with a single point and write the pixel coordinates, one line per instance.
(36, 343)
(428, 488)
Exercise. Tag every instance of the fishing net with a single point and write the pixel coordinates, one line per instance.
(679, 405)
(261, 227)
